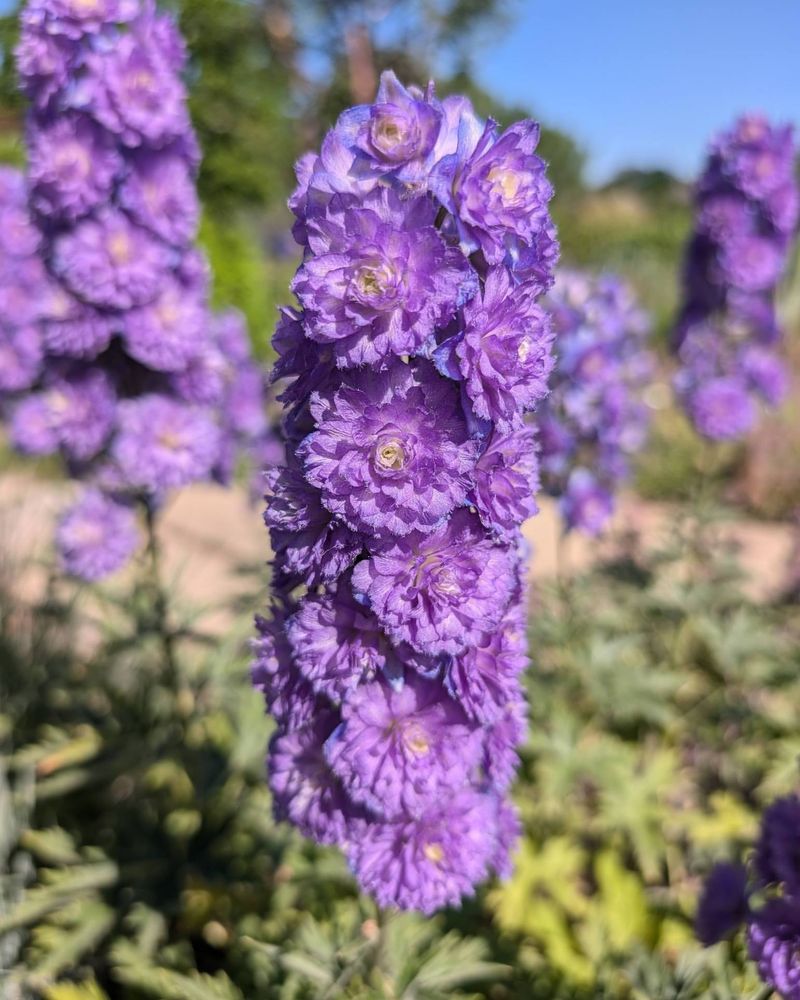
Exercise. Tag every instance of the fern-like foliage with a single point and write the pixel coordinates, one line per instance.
(139, 860)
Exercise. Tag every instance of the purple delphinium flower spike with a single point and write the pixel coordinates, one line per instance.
(746, 205)
(393, 653)
(96, 536)
(109, 354)
(594, 421)
(724, 904)
(773, 938)
(768, 903)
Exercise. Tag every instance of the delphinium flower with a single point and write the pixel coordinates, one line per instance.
(392, 653)
(764, 898)
(111, 356)
(23, 288)
(594, 420)
(727, 339)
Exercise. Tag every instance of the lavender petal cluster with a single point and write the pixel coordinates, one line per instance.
(765, 899)
(111, 357)
(595, 420)
(727, 339)
(392, 653)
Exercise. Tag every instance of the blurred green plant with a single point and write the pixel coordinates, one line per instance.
(247, 278)
(142, 860)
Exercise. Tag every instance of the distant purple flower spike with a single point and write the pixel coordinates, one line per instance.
(134, 93)
(159, 194)
(73, 168)
(202, 378)
(103, 297)
(75, 412)
(164, 334)
(774, 945)
(747, 209)
(402, 748)
(162, 444)
(109, 262)
(18, 236)
(586, 504)
(778, 850)
(74, 18)
(751, 263)
(765, 373)
(724, 905)
(427, 863)
(756, 156)
(20, 358)
(244, 402)
(96, 537)
(75, 330)
(722, 409)
(594, 420)
(44, 62)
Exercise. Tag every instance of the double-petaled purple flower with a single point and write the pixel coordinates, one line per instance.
(392, 656)
(746, 206)
(109, 354)
(594, 420)
(730, 896)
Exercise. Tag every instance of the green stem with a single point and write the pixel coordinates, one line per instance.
(159, 597)
(764, 993)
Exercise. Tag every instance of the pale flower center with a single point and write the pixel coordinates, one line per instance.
(390, 455)
(119, 247)
(141, 79)
(434, 853)
(73, 155)
(58, 402)
(170, 439)
(524, 350)
(765, 164)
(372, 280)
(389, 132)
(86, 6)
(446, 582)
(88, 533)
(506, 182)
(168, 312)
(416, 739)
(151, 195)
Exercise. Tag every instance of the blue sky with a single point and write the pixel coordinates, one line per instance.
(645, 82)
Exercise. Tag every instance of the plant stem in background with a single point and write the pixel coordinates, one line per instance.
(158, 598)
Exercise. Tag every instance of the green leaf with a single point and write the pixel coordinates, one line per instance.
(65, 947)
(53, 846)
(59, 890)
(75, 991)
(131, 968)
